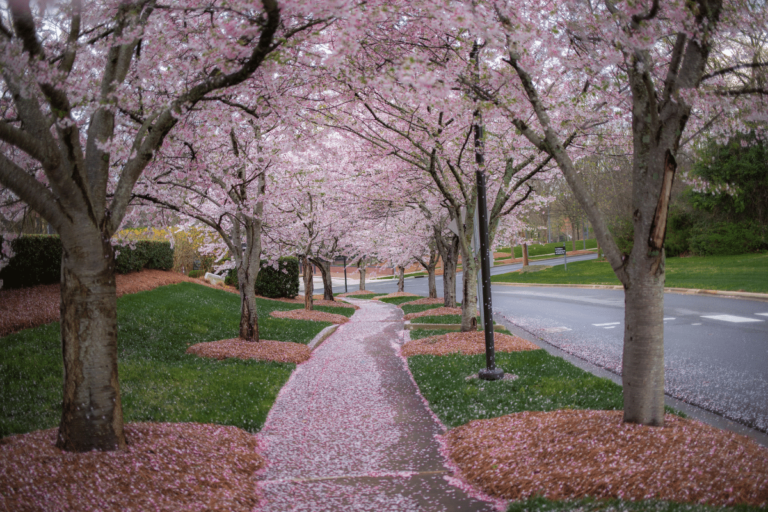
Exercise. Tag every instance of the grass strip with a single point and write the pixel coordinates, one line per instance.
(747, 272)
(418, 308)
(536, 249)
(400, 300)
(412, 274)
(539, 504)
(158, 381)
(366, 295)
(544, 383)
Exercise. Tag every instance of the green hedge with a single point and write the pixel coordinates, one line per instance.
(146, 254)
(37, 260)
(723, 238)
(271, 282)
(196, 273)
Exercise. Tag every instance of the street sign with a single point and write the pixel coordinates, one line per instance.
(559, 251)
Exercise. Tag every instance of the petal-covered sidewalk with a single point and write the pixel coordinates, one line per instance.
(350, 432)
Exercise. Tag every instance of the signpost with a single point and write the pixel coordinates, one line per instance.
(560, 251)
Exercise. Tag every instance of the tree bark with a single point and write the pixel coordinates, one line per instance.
(247, 272)
(92, 415)
(430, 266)
(448, 249)
(325, 272)
(643, 355)
(400, 279)
(361, 272)
(469, 299)
(308, 284)
(525, 255)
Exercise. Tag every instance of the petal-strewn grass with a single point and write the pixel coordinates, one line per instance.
(159, 382)
(746, 272)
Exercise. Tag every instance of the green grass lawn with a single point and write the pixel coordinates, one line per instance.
(539, 249)
(159, 382)
(347, 312)
(545, 383)
(399, 300)
(366, 295)
(747, 272)
(418, 308)
(412, 274)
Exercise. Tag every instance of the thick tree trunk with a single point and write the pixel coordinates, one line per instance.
(400, 279)
(308, 284)
(361, 272)
(643, 357)
(448, 250)
(525, 255)
(92, 414)
(325, 272)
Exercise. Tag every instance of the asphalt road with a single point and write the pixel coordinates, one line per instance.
(716, 349)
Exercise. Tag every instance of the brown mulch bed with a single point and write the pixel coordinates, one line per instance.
(166, 466)
(570, 454)
(438, 300)
(433, 312)
(264, 350)
(467, 343)
(316, 316)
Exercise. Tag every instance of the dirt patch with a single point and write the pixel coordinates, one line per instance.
(438, 300)
(433, 312)
(570, 454)
(264, 350)
(396, 294)
(317, 316)
(467, 343)
(166, 466)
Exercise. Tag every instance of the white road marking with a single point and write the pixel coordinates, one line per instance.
(609, 323)
(611, 327)
(670, 318)
(697, 323)
(762, 314)
(556, 329)
(732, 318)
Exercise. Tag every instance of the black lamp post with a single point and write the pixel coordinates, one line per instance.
(490, 372)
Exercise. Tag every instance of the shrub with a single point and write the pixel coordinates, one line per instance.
(271, 282)
(196, 273)
(679, 226)
(37, 261)
(146, 254)
(725, 238)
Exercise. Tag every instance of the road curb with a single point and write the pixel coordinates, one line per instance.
(321, 336)
(763, 297)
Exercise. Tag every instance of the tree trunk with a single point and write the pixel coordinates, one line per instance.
(643, 356)
(599, 252)
(575, 235)
(432, 282)
(525, 255)
(469, 299)
(247, 272)
(448, 250)
(400, 279)
(325, 272)
(361, 272)
(92, 414)
(308, 284)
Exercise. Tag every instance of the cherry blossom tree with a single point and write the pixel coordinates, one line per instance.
(90, 91)
(655, 74)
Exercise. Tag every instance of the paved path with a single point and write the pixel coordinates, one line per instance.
(349, 432)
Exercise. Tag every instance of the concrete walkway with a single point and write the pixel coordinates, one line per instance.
(349, 431)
